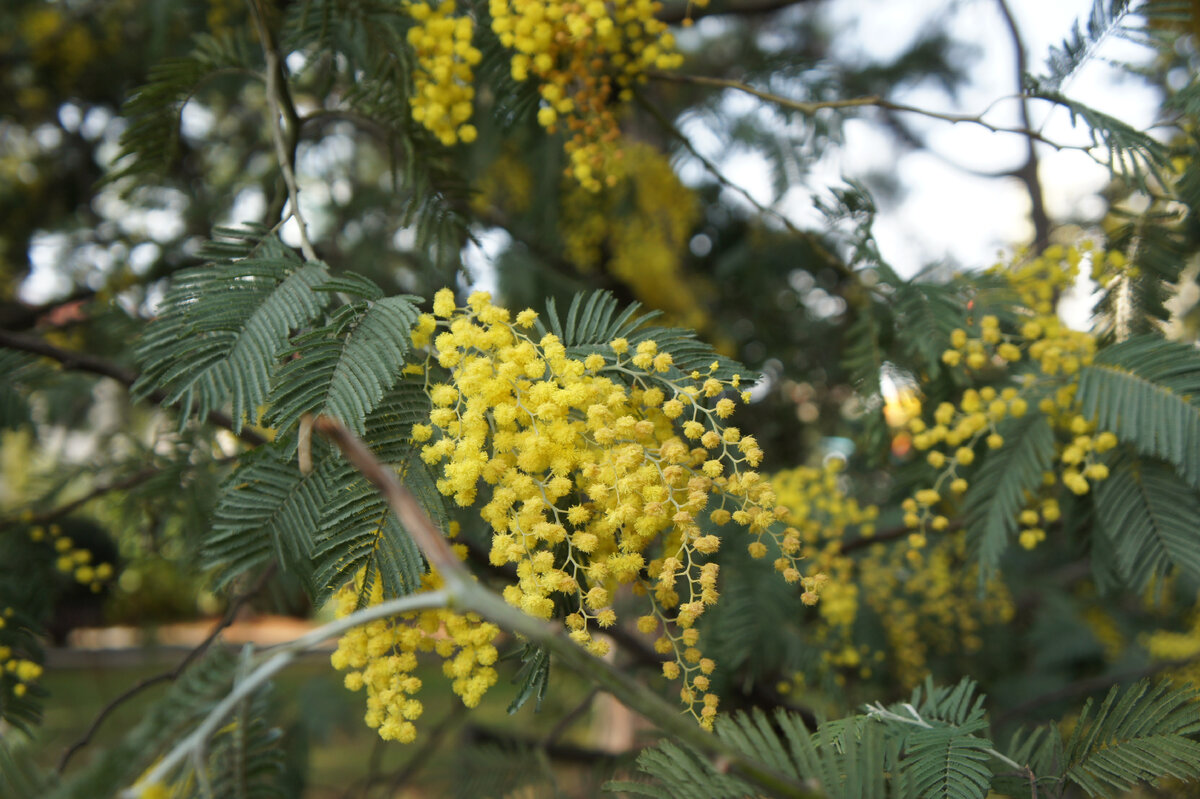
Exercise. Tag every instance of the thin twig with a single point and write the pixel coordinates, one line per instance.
(235, 605)
(74, 505)
(868, 101)
(277, 99)
(83, 362)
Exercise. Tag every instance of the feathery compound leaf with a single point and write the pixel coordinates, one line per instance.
(1139, 734)
(933, 309)
(269, 505)
(344, 369)
(1150, 516)
(1147, 391)
(247, 759)
(357, 530)
(943, 762)
(592, 320)
(1132, 154)
(1062, 61)
(150, 142)
(222, 329)
(997, 493)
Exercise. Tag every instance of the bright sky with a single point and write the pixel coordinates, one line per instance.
(946, 212)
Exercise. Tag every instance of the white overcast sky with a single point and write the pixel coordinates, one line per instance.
(945, 212)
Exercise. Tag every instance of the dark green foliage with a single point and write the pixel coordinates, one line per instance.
(532, 678)
(150, 143)
(997, 493)
(1138, 734)
(1150, 518)
(1147, 391)
(223, 328)
(344, 369)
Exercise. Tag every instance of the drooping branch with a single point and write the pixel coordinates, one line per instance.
(68, 508)
(83, 362)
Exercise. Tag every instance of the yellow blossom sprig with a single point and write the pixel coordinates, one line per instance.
(381, 657)
(443, 89)
(1046, 357)
(585, 57)
(20, 671)
(598, 470)
(73, 560)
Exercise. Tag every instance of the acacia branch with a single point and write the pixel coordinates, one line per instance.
(278, 101)
(868, 101)
(83, 362)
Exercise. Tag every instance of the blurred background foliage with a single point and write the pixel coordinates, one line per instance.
(129, 129)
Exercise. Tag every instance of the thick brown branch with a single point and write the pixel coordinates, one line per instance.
(1027, 173)
(83, 362)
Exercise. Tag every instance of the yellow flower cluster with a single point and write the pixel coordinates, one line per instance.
(1049, 356)
(443, 82)
(381, 657)
(23, 671)
(598, 471)
(72, 560)
(931, 601)
(638, 232)
(585, 56)
(931, 606)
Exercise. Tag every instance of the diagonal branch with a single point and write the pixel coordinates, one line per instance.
(83, 362)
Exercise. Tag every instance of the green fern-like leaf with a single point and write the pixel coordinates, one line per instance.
(593, 321)
(1063, 60)
(247, 759)
(1138, 734)
(268, 507)
(344, 369)
(1147, 391)
(935, 309)
(997, 493)
(1132, 155)
(1149, 515)
(943, 762)
(222, 329)
(150, 142)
